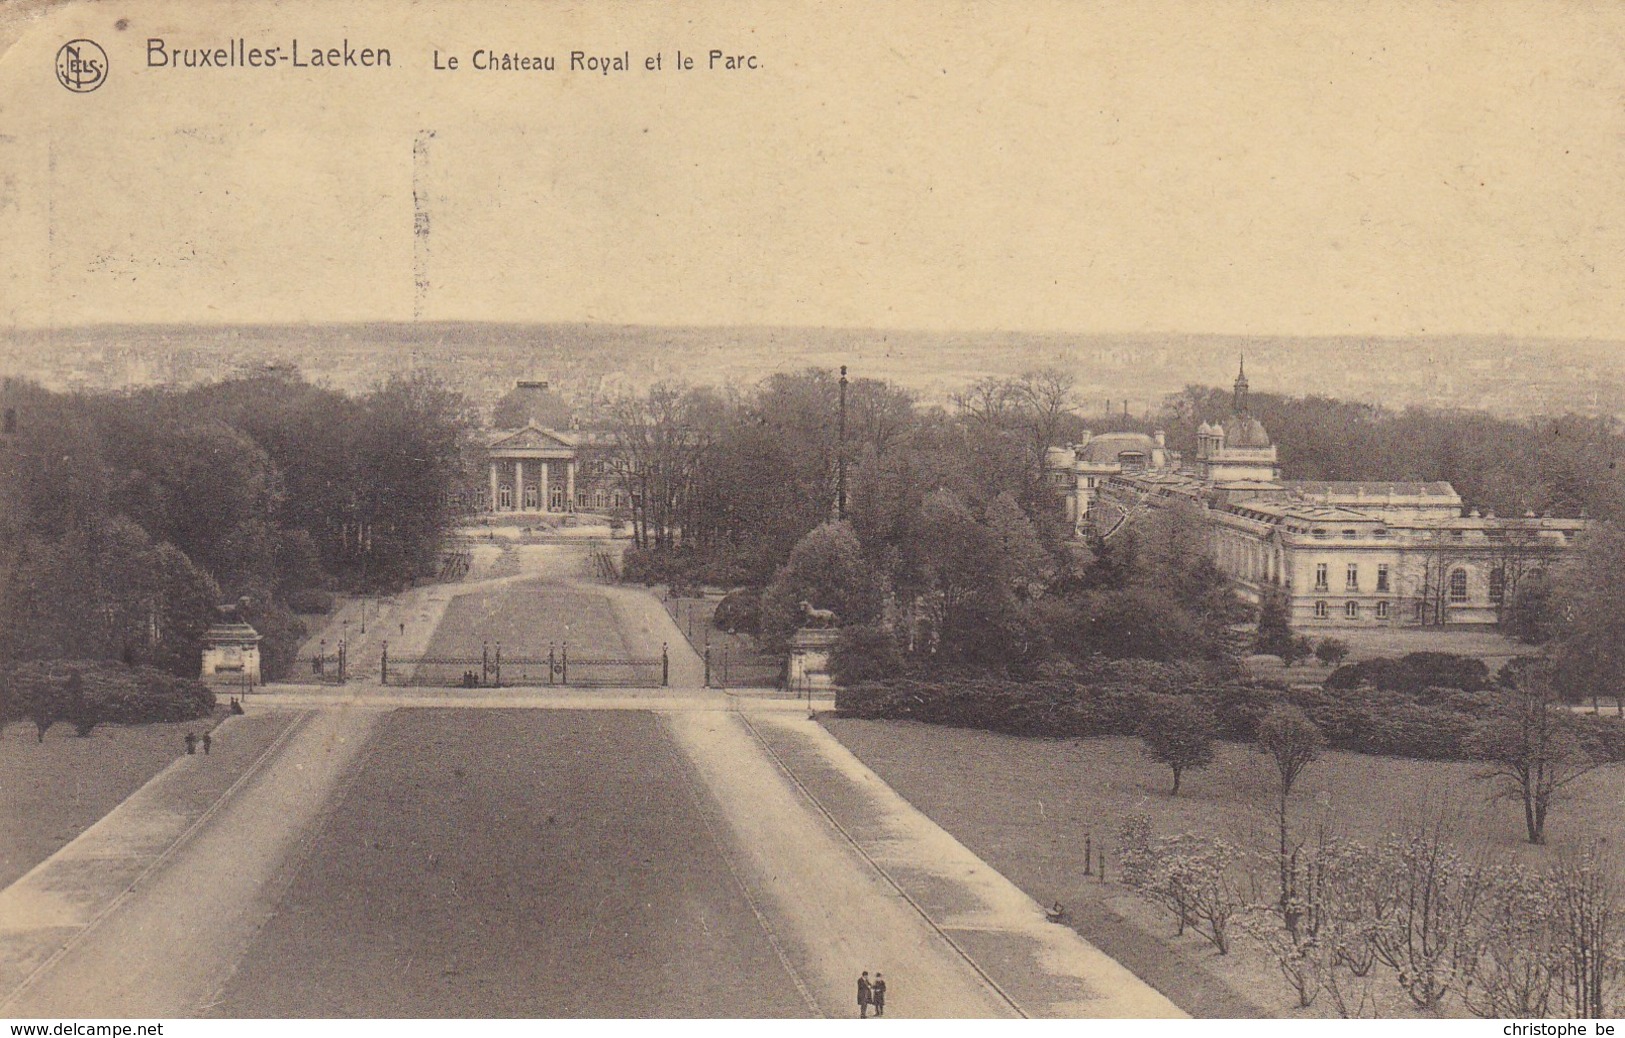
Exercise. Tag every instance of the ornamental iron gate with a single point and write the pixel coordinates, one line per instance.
(491, 669)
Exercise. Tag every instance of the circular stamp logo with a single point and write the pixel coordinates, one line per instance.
(81, 65)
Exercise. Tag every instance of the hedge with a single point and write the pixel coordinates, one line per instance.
(107, 693)
(1434, 724)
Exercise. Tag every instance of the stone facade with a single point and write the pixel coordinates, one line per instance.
(535, 470)
(231, 653)
(1346, 554)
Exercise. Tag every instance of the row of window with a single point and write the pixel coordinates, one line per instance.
(1351, 610)
(597, 498)
(1320, 534)
(1351, 577)
(1457, 589)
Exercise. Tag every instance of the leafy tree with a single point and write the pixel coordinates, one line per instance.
(1274, 637)
(827, 570)
(1179, 733)
(1589, 598)
(1332, 651)
(1299, 649)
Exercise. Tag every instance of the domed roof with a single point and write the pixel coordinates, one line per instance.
(1205, 430)
(1105, 448)
(1243, 430)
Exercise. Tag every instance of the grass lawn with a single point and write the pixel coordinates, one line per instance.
(526, 618)
(515, 864)
(1025, 805)
(51, 792)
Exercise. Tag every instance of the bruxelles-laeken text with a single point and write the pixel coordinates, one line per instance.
(238, 54)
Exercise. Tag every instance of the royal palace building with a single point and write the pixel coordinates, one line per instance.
(1344, 554)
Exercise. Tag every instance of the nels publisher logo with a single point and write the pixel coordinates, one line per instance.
(81, 65)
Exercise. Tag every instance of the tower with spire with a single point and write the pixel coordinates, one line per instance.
(1239, 448)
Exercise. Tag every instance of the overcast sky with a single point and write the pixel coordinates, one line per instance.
(1243, 168)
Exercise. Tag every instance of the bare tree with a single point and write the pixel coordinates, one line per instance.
(1292, 742)
(1531, 747)
(1588, 903)
(1432, 896)
(1548, 941)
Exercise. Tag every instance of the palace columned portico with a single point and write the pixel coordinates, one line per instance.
(531, 470)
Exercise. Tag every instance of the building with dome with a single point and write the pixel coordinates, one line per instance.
(1078, 471)
(1344, 554)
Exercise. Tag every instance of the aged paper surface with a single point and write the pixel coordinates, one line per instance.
(1289, 169)
(933, 191)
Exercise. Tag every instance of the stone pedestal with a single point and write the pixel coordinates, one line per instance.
(809, 659)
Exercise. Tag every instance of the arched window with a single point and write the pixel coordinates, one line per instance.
(1498, 585)
(1322, 611)
(1351, 610)
(1382, 610)
(505, 496)
(555, 498)
(531, 500)
(598, 499)
(1458, 585)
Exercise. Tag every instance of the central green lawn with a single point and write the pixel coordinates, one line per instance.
(515, 864)
(527, 618)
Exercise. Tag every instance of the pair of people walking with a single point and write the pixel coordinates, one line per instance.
(871, 993)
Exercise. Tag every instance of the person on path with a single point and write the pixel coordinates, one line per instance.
(206, 741)
(877, 993)
(865, 996)
(191, 743)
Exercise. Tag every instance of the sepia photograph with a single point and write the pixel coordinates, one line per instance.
(522, 510)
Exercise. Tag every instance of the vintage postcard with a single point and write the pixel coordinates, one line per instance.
(520, 509)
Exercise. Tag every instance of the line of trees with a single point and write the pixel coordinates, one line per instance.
(129, 518)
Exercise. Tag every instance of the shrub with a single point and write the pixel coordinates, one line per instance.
(1331, 651)
(1414, 672)
(1017, 708)
(91, 692)
(865, 653)
(739, 610)
(1237, 708)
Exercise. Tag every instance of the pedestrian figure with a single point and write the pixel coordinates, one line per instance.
(403, 630)
(877, 993)
(865, 995)
(191, 743)
(207, 740)
(236, 706)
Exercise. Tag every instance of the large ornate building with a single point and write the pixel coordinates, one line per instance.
(532, 466)
(1345, 554)
(546, 470)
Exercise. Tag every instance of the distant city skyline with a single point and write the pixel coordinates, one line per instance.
(1507, 376)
